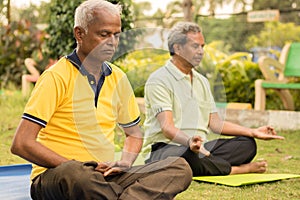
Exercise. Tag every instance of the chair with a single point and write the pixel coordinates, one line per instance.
(276, 74)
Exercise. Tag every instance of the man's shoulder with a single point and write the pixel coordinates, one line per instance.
(199, 75)
(57, 67)
(159, 73)
(115, 69)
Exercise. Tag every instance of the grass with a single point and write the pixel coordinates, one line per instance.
(282, 156)
(12, 105)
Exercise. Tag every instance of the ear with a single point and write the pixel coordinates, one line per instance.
(177, 48)
(79, 32)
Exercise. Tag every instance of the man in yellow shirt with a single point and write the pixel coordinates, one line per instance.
(67, 129)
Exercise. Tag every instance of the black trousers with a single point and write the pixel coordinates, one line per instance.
(224, 154)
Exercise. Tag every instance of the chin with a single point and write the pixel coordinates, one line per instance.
(108, 58)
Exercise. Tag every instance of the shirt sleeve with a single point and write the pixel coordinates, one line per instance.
(128, 109)
(43, 100)
(158, 96)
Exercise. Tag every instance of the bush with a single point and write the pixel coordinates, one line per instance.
(61, 41)
(231, 76)
(139, 64)
(17, 41)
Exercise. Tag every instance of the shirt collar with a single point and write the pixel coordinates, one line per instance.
(178, 75)
(74, 59)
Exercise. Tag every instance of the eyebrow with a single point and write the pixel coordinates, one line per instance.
(109, 31)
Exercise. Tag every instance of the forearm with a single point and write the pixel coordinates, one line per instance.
(176, 135)
(25, 145)
(217, 125)
(132, 148)
(194, 142)
(132, 144)
(38, 154)
(169, 129)
(232, 129)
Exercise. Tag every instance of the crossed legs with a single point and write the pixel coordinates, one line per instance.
(160, 180)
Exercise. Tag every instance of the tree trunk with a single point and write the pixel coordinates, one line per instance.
(8, 12)
(187, 10)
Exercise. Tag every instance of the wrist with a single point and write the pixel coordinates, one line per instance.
(188, 142)
(124, 163)
(251, 132)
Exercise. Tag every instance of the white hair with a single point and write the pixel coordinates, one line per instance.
(84, 13)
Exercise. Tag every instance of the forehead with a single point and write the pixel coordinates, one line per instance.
(195, 37)
(107, 20)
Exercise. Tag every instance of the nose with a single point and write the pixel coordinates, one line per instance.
(113, 40)
(200, 50)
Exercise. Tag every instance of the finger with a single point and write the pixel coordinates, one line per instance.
(279, 137)
(204, 151)
(270, 137)
(271, 130)
(196, 146)
(111, 171)
(102, 170)
(197, 138)
(103, 166)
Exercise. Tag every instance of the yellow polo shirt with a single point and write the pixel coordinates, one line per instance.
(77, 123)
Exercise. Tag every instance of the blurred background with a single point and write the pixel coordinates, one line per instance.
(237, 33)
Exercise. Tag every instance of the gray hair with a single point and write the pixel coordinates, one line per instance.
(84, 13)
(178, 34)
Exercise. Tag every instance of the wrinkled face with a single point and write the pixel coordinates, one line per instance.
(102, 38)
(192, 51)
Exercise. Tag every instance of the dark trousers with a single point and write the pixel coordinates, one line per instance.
(77, 180)
(224, 154)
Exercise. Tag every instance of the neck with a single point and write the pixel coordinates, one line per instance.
(93, 66)
(182, 65)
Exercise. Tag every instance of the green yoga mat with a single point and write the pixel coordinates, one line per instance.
(244, 179)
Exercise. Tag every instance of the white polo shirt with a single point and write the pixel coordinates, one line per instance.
(190, 102)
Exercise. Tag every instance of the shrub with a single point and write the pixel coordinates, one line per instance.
(17, 41)
(139, 64)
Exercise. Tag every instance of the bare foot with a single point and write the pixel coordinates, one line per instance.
(253, 167)
(258, 167)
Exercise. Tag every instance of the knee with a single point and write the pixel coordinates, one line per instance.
(78, 175)
(183, 170)
(251, 144)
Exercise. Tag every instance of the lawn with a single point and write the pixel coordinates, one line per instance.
(282, 156)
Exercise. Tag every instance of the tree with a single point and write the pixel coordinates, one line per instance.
(60, 29)
(17, 41)
(187, 6)
(140, 8)
(61, 40)
(289, 10)
(275, 34)
(5, 11)
(36, 14)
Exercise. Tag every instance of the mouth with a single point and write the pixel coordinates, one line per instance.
(198, 59)
(109, 51)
